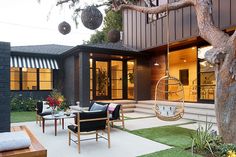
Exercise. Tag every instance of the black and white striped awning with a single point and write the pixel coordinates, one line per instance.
(33, 62)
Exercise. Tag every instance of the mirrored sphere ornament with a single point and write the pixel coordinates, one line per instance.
(64, 28)
(113, 36)
(91, 17)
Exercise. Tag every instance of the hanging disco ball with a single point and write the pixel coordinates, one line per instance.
(64, 28)
(91, 17)
(113, 36)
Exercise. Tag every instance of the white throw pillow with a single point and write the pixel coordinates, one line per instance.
(167, 110)
(46, 108)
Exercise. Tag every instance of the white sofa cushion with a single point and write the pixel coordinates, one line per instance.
(14, 140)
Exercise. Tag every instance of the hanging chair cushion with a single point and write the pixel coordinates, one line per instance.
(167, 110)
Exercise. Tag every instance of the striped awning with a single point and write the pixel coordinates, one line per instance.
(33, 62)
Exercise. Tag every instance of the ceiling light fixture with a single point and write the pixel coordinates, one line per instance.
(156, 64)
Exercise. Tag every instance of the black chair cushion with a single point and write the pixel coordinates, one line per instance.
(98, 107)
(90, 125)
(116, 113)
(45, 113)
(39, 107)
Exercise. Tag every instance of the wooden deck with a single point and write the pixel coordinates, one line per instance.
(35, 149)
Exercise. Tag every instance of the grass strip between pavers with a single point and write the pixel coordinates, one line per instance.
(173, 152)
(17, 117)
(170, 135)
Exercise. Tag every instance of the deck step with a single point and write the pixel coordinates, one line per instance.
(201, 118)
(142, 110)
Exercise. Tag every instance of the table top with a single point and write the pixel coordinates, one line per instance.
(58, 116)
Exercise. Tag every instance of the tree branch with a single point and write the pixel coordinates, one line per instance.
(154, 10)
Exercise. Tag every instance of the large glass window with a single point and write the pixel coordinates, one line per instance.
(183, 66)
(207, 76)
(130, 83)
(45, 79)
(117, 79)
(15, 78)
(29, 79)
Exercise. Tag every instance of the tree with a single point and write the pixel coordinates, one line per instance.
(222, 56)
(112, 20)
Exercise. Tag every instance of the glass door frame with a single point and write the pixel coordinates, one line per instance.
(95, 97)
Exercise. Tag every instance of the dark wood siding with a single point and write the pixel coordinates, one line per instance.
(183, 24)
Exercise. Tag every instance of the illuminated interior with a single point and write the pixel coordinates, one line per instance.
(29, 79)
(15, 79)
(130, 73)
(45, 79)
(102, 78)
(183, 66)
(207, 76)
(116, 79)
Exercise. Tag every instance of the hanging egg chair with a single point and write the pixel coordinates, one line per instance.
(169, 99)
(169, 92)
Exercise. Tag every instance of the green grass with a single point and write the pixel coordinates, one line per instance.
(22, 117)
(173, 152)
(169, 135)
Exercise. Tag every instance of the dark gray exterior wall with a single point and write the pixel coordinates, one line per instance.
(69, 78)
(76, 86)
(84, 79)
(183, 24)
(142, 79)
(4, 87)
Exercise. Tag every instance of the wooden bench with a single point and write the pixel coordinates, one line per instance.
(35, 149)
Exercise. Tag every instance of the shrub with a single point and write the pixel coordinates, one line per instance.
(20, 103)
(204, 141)
(227, 149)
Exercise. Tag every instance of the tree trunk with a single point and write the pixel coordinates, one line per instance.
(225, 100)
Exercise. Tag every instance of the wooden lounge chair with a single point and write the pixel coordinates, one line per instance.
(90, 123)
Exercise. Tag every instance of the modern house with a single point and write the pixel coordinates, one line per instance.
(128, 69)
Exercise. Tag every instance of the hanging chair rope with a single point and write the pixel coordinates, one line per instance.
(176, 106)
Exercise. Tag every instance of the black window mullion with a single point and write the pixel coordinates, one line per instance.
(38, 84)
(21, 75)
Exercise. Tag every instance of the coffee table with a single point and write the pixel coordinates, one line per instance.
(55, 118)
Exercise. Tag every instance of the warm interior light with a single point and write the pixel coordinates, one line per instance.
(90, 60)
(193, 48)
(24, 69)
(156, 64)
(185, 60)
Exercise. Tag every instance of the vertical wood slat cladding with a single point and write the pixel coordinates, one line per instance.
(215, 9)
(139, 30)
(224, 14)
(179, 24)
(194, 27)
(143, 25)
(186, 22)
(159, 32)
(233, 13)
(154, 32)
(157, 71)
(183, 24)
(134, 21)
(172, 23)
(125, 24)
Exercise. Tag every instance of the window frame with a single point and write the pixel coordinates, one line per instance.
(37, 81)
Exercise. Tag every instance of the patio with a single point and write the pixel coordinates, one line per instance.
(120, 141)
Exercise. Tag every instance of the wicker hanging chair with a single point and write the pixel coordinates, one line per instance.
(169, 99)
(169, 92)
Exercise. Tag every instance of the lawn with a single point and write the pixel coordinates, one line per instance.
(170, 135)
(173, 152)
(177, 137)
(22, 117)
